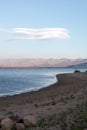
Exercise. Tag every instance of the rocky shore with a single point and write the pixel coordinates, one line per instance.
(61, 106)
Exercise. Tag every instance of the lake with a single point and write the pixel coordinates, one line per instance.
(15, 81)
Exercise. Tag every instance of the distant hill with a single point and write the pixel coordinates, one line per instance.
(82, 65)
(18, 63)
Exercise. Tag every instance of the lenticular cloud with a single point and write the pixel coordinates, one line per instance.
(42, 33)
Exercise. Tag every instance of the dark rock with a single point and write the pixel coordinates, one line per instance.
(76, 71)
(20, 121)
(53, 103)
(36, 105)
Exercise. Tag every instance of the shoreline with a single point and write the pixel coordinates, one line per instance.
(32, 90)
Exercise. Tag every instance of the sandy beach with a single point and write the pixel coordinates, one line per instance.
(69, 92)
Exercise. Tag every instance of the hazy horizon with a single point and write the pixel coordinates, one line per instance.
(43, 58)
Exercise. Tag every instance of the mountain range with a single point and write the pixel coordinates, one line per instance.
(32, 62)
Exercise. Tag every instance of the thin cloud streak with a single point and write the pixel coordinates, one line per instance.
(43, 33)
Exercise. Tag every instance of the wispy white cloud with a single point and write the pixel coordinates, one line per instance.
(31, 33)
(42, 33)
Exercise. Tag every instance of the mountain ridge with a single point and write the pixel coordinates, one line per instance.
(40, 62)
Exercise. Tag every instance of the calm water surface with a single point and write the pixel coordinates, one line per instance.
(14, 81)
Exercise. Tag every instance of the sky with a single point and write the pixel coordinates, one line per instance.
(43, 29)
